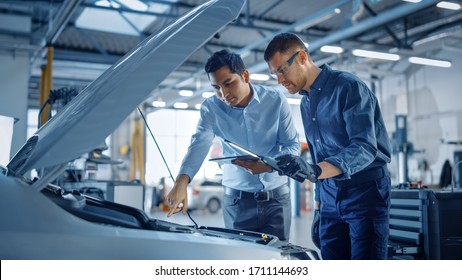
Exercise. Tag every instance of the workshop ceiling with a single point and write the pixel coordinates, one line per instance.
(84, 49)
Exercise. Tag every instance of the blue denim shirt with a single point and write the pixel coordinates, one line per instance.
(264, 126)
(343, 123)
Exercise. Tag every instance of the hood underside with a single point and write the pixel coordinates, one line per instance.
(99, 108)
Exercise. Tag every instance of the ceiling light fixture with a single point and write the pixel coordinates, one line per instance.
(207, 94)
(185, 92)
(430, 62)
(158, 103)
(412, 1)
(180, 105)
(198, 106)
(259, 77)
(448, 5)
(331, 49)
(378, 55)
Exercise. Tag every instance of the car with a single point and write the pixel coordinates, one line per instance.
(41, 220)
(206, 194)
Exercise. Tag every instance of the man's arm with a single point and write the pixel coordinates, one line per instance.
(253, 167)
(200, 144)
(360, 129)
(328, 170)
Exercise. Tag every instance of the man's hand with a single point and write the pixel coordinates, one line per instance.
(253, 167)
(177, 199)
(297, 168)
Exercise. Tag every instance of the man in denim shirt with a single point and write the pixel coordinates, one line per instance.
(349, 146)
(257, 118)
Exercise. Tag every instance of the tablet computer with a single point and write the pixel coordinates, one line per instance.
(231, 158)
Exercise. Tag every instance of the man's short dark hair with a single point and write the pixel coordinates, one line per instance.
(225, 58)
(282, 43)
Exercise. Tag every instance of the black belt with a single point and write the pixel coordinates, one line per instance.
(259, 196)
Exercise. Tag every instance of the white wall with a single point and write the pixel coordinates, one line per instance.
(432, 99)
(14, 78)
(173, 130)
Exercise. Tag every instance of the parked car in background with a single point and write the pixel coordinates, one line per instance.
(206, 194)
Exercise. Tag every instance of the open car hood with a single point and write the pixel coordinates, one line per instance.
(99, 108)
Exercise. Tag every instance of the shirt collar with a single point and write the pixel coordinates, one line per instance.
(321, 80)
(255, 94)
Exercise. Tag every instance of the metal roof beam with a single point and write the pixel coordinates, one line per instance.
(61, 19)
(388, 30)
(309, 20)
(390, 15)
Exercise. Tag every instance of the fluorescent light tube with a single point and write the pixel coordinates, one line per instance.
(430, 62)
(448, 5)
(331, 49)
(180, 105)
(158, 103)
(184, 92)
(378, 55)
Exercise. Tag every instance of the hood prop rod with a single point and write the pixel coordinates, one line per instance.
(163, 158)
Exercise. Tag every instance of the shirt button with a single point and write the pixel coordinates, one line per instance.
(314, 119)
(317, 140)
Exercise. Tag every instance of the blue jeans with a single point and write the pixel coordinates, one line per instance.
(355, 216)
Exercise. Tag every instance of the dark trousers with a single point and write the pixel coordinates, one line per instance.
(267, 213)
(355, 216)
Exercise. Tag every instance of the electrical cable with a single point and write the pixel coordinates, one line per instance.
(41, 110)
(163, 158)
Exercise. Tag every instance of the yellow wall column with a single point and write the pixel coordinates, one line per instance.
(46, 85)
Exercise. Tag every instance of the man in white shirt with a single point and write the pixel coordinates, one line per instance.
(257, 118)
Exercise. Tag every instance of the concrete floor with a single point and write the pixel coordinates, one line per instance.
(300, 233)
